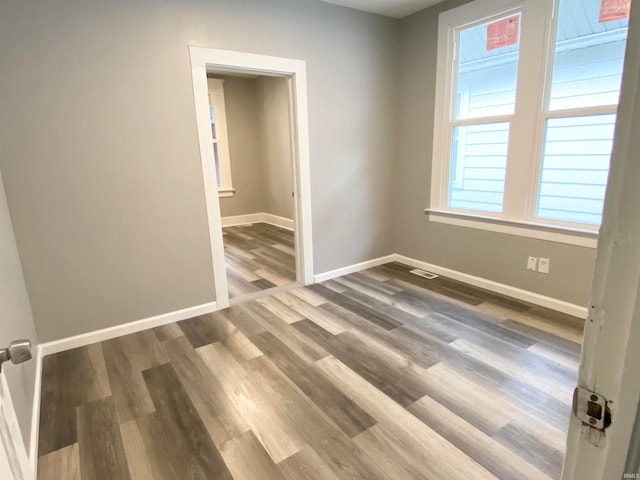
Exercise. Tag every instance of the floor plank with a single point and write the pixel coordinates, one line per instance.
(101, 450)
(69, 379)
(126, 357)
(496, 458)
(61, 463)
(175, 437)
(351, 419)
(247, 460)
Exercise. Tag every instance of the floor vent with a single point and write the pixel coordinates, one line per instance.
(424, 274)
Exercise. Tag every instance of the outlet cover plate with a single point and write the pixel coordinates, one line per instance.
(543, 265)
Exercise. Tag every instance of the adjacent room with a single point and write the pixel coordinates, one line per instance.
(320, 239)
(250, 126)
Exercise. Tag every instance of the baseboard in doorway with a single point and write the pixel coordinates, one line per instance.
(501, 288)
(263, 217)
(125, 329)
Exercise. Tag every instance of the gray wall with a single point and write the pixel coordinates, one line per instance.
(16, 321)
(245, 148)
(498, 257)
(273, 93)
(99, 149)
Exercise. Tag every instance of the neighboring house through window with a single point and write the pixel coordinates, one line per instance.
(527, 94)
(219, 138)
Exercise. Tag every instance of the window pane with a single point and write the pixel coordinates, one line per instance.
(575, 168)
(486, 83)
(589, 55)
(217, 162)
(478, 165)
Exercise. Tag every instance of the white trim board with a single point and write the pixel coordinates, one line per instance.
(282, 222)
(520, 229)
(125, 329)
(490, 285)
(35, 414)
(357, 267)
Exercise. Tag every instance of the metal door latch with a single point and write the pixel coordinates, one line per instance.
(19, 351)
(591, 408)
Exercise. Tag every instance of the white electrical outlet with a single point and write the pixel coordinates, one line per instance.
(543, 265)
(531, 263)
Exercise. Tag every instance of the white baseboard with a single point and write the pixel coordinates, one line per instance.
(281, 222)
(241, 219)
(321, 277)
(125, 329)
(269, 218)
(508, 290)
(35, 414)
(504, 289)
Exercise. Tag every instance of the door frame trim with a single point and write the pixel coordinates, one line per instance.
(203, 58)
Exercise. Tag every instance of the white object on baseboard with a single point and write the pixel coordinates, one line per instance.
(238, 220)
(125, 329)
(514, 292)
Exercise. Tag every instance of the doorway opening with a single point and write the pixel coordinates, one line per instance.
(251, 136)
(251, 114)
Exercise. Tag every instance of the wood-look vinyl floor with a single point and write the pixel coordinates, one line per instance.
(376, 375)
(259, 256)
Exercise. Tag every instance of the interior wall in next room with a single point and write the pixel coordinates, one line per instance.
(274, 121)
(259, 131)
(245, 148)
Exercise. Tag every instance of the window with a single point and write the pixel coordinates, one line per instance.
(527, 94)
(219, 139)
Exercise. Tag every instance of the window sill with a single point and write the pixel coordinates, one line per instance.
(551, 233)
(226, 192)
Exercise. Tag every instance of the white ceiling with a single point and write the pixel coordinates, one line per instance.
(389, 8)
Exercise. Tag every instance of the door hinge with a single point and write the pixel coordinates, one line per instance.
(591, 409)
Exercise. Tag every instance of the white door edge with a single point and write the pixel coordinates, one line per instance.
(11, 438)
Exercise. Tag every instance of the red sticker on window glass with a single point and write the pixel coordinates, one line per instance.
(614, 10)
(503, 32)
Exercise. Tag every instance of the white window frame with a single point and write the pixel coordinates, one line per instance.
(531, 112)
(216, 90)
